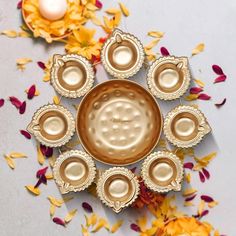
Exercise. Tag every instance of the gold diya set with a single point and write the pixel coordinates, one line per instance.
(119, 122)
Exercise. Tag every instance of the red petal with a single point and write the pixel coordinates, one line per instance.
(164, 52)
(41, 65)
(22, 108)
(31, 92)
(15, 101)
(59, 221)
(195, 90)
(26, 134)
(221, 103)
(87, 207)
(220, 79)
(102, 40)
(188, 165)
(98, 4)
(204, 213)
(135, 227)
(217, 69)
(207, 198)
(206, 173)
(42, 179)
(190, 198)
(46, 151)
(19, 5)
(201, 176)
(203, 96)
(41, 172)
(2, 102)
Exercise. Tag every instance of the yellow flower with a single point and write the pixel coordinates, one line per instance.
(83, 43)
(187, 226)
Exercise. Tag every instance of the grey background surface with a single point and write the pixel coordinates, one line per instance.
(185, 23)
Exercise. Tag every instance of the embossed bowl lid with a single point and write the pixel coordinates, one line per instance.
(185, 126)
(169, 77)
(52, 125)
(118, 188)
(162, 172)
(119, 122)
(71, 75)
(122, 55)
(74, 171)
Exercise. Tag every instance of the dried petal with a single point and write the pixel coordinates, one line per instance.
(59, 221)
(116, 226)
(199, 48)
(206, 173)
(217, 69)
(10, 162)
(220, 79)
(70, 215)
(135, 227)
(164, 52)
(203, 96)
(87, 207)
(41, 65)
(207, 198)
(31, 92)
(196, 90)
(98, 4)
(26, 134)
(41, 172)
(22, 108)
(124, 9)
(201, 176)
(188, 165)
(190, 198)
(15, 101)
(33, 190)
(2, 102)
(220, 103)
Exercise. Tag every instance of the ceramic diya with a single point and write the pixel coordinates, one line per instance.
(118, 188)
(185, 126)
(52, 125)
(162, 172)
(169, 77)
(119, 122)
(74, 171)
(122, 55)
(71, 75)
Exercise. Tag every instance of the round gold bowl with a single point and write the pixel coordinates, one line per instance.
(119, 122)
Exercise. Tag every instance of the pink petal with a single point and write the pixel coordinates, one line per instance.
(205, 212)
(22, 108)
(15, 101)
(164, 52)
(2, 102)
(220, 103)
(41, 172)
(217, 69)
(46, 151)
(19, 5)
(135, 227)
(59, 221)
(202, 177)
(206, 173)
(196, 90)
(190, 198)
(41, 65)
(26, 134)
(98, 4)
(220, 79)
(203, 96)
(188, 165)
(31, 92)
(87, 207)
(207, 198)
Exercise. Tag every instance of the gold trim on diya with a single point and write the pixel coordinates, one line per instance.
(74, 171)
(185, 126)
(52, 125)
(71, 75)
(122, 55)
(169, 77)
(119, 122)
(118, 188)
(162, 172)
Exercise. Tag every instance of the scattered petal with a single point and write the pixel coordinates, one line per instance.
(207, 199)
(87, 207)
(135, 227)
(17, 155)
(85, 231)
(102, 223)
(21, 62)
(204, 213)
(59, 221)
(10, 162)
(31, 92)
(189, 191)
(19, 5)
(33, 190)
(199, 48)
(22, 108)
(56, 100)
(124, 9)
(203, 96)
(98, 4)
(164, 52)
(156, 34)
(70, 215)
(199, 82)
(217, 69)
(196, 90)
(206, 173)
(116, 226)
(46, 151)
(41, 65)
(212, 204)
(152, 44)
(9, 33)
(92, 220)
(15, 101)
(188, 178)
(112, 11)
(190, 198)
(191, 97)
(41, 172)
(55, 202)
(220, 103)
(40, 156)
(2, 102)
(52, 210)
(220, 79)
(26, 134)
(188, 165)
(201, 176)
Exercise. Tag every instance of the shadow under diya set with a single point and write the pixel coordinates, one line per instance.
(119, 122)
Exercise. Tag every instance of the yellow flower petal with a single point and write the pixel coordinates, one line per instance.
(52, 160)
(33, 190)
(10, 162)
(156, 34)
(191, 97)
(40, 155)
(201, 207)
(55, 202)
(49, 176)
(56, 100)
(188, 178)
(23, 61)
(152, 44)
(70, 215)
(124, 9)
(199, 48)
(17, 155)
(212, 204)
(96, 21)
(116, 226)
(142, 222)
(102, 223)
(52, 210)
(85, 231)
(189, 203)
(92, 220)
(199, 82)
(112, 11)
(189, 191)
(10, 33)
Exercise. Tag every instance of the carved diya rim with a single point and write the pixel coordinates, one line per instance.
(119, 74)
(157, 92)
(174, 185)
(36, 120)
(117, 206)
(66, 187)
(57, 64)
(203, 126)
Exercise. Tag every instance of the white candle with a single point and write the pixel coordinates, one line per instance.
(52, 9)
